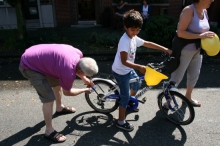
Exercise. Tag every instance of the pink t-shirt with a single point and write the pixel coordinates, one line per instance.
(55, 60)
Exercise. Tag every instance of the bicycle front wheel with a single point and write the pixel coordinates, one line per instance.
(179, 110)
(95, 101)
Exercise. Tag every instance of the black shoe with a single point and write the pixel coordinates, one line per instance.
(135, 110)
(126, 126)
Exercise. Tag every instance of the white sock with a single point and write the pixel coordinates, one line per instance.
(121, 122)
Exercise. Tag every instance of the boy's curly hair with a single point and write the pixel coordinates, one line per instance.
(133, 19)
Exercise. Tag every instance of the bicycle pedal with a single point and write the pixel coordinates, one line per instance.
(144, 99)
(141, 101)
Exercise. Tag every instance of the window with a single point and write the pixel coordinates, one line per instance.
(1, 2)
(33, 10)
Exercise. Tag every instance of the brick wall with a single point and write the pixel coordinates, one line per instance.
(105, 3)
(67, 10)
(63, 12)
(74, 12)
(175, 8)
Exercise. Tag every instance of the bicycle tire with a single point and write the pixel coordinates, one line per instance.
(183, 115)
(93, 99)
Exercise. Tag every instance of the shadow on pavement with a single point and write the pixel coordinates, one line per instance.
(159, 131)
(154, 132)
(25, 133)
(99, 129)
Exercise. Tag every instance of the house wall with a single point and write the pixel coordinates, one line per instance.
(175, 8)
(63, 13)
(8, 18)
(102, 5)
(67, 11)
(74, 12)
(47, 19)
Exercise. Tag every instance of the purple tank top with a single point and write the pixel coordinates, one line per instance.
(197, 26)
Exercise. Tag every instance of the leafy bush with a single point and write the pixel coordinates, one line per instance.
(106, 39)
(161, 30)
(9, 41)
(214, 29)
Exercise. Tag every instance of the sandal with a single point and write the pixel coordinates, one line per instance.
(196, 103)
(65, 110)
(165, 106)
(54, 136)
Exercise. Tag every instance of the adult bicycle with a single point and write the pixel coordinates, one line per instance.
(105, 97)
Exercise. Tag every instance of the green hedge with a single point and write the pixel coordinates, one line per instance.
(161, 30)
(106, 38)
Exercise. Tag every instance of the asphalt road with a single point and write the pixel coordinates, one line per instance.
(21, 121)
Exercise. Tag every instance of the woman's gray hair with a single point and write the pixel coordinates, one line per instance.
(88, 66)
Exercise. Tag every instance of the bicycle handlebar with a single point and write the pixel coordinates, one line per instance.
(161, 65)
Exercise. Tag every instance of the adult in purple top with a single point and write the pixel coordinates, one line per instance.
(193, 24)
(52, 69)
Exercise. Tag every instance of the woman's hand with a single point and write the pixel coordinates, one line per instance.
(208, 34)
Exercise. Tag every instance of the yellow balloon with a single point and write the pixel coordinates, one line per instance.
(153, 77)
(211, 45)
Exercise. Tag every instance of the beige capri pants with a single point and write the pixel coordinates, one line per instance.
(41, 83)
(190, 61)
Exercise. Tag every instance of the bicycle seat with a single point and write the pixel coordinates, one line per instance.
(153, 77)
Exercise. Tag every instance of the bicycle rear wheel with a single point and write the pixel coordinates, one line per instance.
(94, 98)
(181, 113)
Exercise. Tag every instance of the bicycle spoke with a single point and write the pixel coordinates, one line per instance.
(95, 98)
(178, 110)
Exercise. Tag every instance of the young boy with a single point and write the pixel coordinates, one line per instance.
(124, 66)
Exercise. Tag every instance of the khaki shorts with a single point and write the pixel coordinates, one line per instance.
(41, 83)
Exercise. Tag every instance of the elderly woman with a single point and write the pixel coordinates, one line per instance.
(193, 25)
(145, 11)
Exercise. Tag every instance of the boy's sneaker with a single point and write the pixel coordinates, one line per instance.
(126, 126)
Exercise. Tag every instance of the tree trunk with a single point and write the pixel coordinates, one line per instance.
(21, 22)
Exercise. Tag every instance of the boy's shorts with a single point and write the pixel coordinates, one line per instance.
(41, 83)
(123, 83)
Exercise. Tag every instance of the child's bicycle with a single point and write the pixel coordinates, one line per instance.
(173, 105)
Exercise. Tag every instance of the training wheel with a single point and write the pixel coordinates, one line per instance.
(133, 103)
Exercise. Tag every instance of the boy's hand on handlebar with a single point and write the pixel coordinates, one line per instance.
(169, 51)
(142, 69)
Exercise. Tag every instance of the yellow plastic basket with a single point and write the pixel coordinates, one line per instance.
(153, 77)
